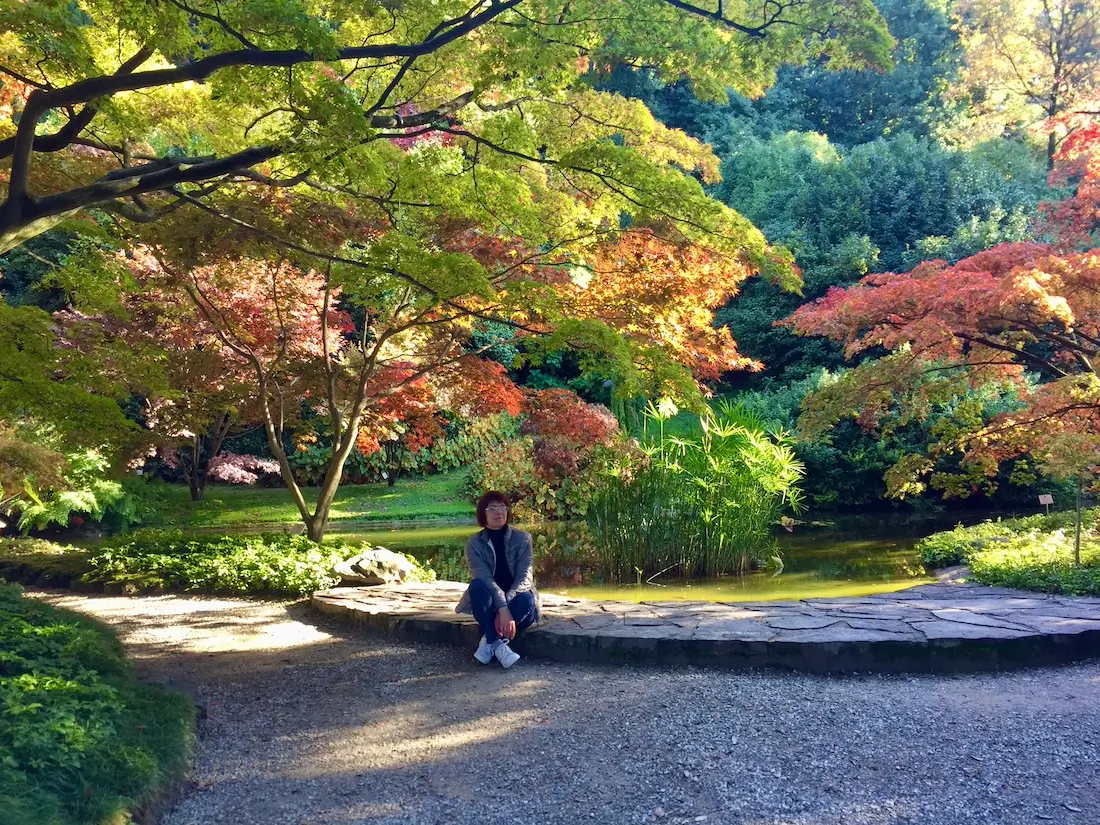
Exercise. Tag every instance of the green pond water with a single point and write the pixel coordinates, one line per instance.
(861, 560)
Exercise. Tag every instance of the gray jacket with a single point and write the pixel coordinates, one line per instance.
(482, 559)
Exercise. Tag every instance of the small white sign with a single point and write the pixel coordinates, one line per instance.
(1046, 499)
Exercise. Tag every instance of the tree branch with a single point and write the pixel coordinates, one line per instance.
(1024, 355)
(23, 144)
(96, 87)
(719, 17)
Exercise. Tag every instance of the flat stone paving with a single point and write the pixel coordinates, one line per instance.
(944, 627)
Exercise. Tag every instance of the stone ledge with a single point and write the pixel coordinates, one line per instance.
(941, 628)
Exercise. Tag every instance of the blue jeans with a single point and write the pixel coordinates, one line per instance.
(522, 607)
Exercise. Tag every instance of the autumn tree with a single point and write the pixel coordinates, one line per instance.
(1000, 317)
(367, 143)
(1029, 61)
(195, 389)
(1075, 221)
(661, 292)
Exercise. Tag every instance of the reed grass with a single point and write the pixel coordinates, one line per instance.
(701, 503)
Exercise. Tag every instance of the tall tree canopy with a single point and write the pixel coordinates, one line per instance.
(141, 109)
(1029, 61)
(423, 164)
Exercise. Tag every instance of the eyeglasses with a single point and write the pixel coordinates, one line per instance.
(497, 508)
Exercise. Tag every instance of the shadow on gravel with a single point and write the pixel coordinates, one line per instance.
(313, 722)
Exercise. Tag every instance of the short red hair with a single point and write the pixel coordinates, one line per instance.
(491, 497)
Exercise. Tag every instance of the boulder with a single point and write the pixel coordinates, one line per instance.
(377, 566)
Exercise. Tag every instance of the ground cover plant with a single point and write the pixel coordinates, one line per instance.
(273, 564)
(1032, 553)
(81, 741)
(265, 565)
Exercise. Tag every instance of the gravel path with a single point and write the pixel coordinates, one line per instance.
(312, 723)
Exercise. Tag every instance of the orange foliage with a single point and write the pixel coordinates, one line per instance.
(566, 432)
(408, 415)
(478, 387)
(559, 413)
(664, 292)
(1075, 221)
(988, 318)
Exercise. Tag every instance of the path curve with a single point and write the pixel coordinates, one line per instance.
(310, 722)
(948, 627)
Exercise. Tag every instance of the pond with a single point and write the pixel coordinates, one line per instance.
(860, 559)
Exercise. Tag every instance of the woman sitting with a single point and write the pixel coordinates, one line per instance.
(501, 595)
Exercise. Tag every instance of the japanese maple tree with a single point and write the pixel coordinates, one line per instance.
(143, 109)
(991, 318)
(202, 387)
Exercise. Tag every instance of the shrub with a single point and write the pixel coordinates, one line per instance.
(1042, 562)
(536, 492)
(552, 469)
(1032, 553)
(86, 492)
(510, 469)
(232, 468)
(275, 564)
(956, 546)
(81, 741)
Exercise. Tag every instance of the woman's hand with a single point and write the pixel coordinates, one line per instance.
(506, 625)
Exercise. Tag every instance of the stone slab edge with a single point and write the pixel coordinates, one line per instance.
(887, 656)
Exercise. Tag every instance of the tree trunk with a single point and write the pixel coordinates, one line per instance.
(204, 449)
(197, 485)
(342, 447)
(196, 469)
(316, 527)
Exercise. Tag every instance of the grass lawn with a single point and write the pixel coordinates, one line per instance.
(435, 497)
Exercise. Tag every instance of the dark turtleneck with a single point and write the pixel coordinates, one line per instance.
(501, 574)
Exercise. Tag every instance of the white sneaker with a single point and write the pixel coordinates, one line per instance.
(504, 654)
(484, 652)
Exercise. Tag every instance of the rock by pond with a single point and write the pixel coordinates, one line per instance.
(373, 567)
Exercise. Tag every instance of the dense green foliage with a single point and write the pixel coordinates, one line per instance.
(81, 741)
(1032, 553)
(881, 206)
(265, 565)
(87, 491)
(847, 464)
(850, 106)
(273, 564)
